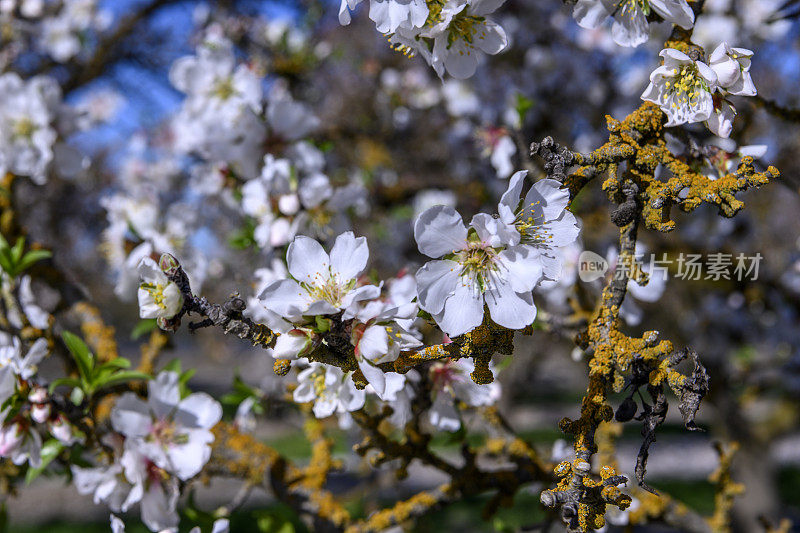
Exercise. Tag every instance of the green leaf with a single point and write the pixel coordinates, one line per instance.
(83, 357)
(119, 362)
(6, 263)
(276, 520)
(122, 377)
(34, 256)
(143, 327)
(173, 366)
(522, 105)
(50, 451)
(241, 391)
(16, 251)
(244, 237)
(105, 371)
(69, 382)
(183, 380)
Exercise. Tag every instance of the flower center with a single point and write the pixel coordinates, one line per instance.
(477, 263)
(328, 288)
(157, 292)
(434, 12)
(155, 475)
(442, 375)
(24, 128)
(165, 433)
(531, 227)
(318, 382)
(686, 85)
(465, 27)
(223, 89)
(629, 8)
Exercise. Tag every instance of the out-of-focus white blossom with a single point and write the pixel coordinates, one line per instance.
(171, 432)
(331, 390)
(451, 384)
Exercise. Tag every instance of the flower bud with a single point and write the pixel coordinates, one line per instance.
(61, 429)
(38, 395)
(168, 264)
(40, 412)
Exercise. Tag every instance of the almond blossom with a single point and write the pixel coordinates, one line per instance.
(13, 364)
(158, 296)
(331, 390)
(682, 87)
(171, 432)
(453, 37)
(132, 478)
(378, 338)
(482, 265)
(732, 67)
(452, 384)
(321, 283)
(689, 90)
(630, 17)
(541, 218)
(27, 111)
(20, 442)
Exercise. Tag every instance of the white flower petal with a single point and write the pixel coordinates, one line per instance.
(463, 311)
(548, 196)
(307, 260)
(130, 416)
(590, 13)
(199, 410)
(440, 231)
(436, 281)
(510, 309)
(374, 376)
(349, 256)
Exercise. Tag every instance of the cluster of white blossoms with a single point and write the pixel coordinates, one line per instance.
(27, 134)
(689, 90)
(227, 121)
(451, 35)
(145, 221)
(322, 285)
(157, 445)
(59, 29)
(28, 410)
(630, 26)
(35, 123)
(322, 300)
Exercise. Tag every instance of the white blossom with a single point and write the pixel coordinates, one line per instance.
(732, 67)
(379, 338)
(21, 443)
(13, 364)
(630, 26)
(480, 266)
(542, 220)
(158, 296)
(321, 283)
(682, 87)
(331, 390)
(27, 111)
(452, 383)
(171, 432)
